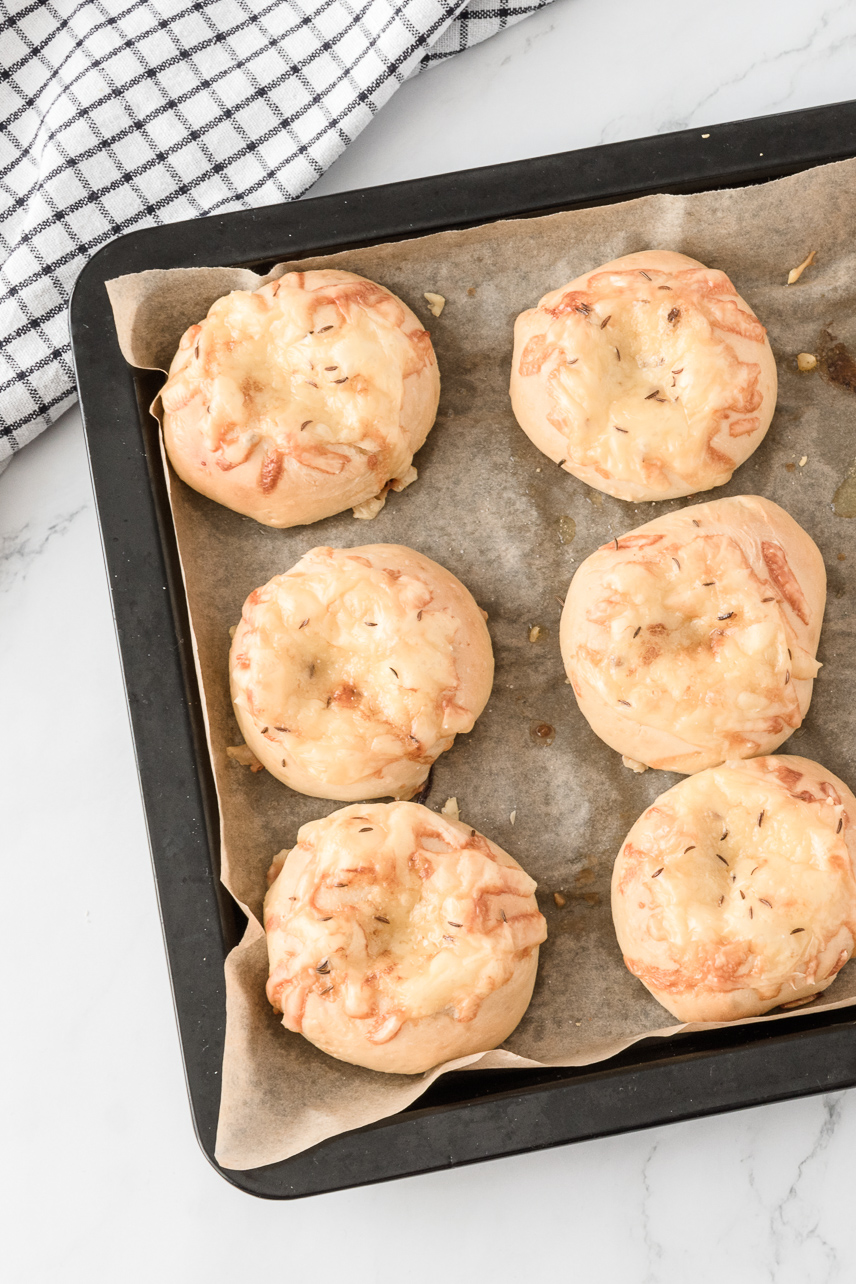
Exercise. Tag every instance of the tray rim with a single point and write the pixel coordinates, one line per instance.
(644, 1088)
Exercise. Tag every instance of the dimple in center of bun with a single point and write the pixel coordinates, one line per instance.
(646, 372)
(746, 879)
(349, 670)
(303, 370)
(394, 925)
(686, 638)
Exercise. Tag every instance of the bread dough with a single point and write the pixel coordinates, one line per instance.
(399, 939)
(735, 892)
(357, 668)
(300, 399)
(692, 639)
(647, 378)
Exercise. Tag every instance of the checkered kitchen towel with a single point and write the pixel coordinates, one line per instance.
(115, 114)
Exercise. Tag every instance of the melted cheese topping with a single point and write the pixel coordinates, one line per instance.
(346, 668)
(686, 638)
(737, 877)
(642, 374)
(314, 374)
(392, 913)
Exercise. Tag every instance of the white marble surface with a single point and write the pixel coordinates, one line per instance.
(102, 1178)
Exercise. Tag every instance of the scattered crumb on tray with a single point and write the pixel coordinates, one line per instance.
(795, 273)
(436, 303)
(803, 461)
(633, 764)
(513, 816)
(534, 633)
(806, 361)
(559, 899)
(371, 507)
(398, 484)
(450, 808)
(232, 631)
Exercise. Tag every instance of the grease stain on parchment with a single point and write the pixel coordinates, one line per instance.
(836, 362)
(580, 896)
(541, 733)
(844, 499)
(567, 530)
(838, 366)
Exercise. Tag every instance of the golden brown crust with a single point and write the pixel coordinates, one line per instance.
(399, 939)
(352, 672)
(648, 378)
(692, 639)
(300, 399)
(735, 891)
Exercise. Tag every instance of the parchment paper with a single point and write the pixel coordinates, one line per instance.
(513, 527)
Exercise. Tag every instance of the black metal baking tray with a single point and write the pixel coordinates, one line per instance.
(463, 1117)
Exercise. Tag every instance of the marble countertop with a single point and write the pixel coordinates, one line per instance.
(103, 1179)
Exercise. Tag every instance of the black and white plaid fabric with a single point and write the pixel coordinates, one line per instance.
(121, 113)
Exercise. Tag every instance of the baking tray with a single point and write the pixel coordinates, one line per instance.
(462, 1117)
